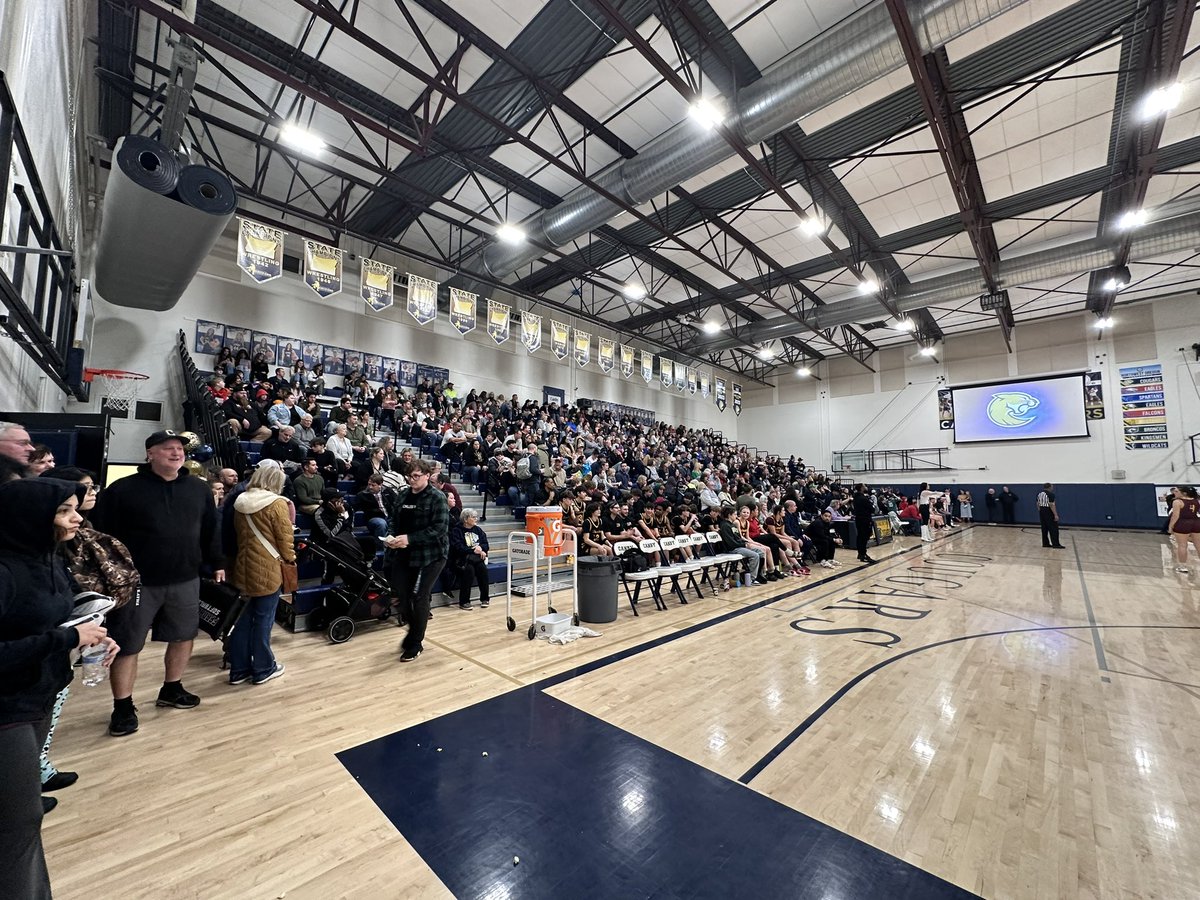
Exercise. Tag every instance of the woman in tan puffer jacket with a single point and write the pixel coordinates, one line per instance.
(256, 574)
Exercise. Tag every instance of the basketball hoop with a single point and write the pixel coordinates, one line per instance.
(121, 387)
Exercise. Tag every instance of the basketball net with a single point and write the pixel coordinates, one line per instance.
(120, 388)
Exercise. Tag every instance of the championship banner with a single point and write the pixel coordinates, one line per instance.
(945, 409)
(691, 380)
(626, 361)
(322, 268)
(680, 376)
(531, 331)
(607, 356)
(666, 372)
(583, 348)
(498, 321)
(260, 250)
(705, 385)
(462, 310)
(1093, 395)
(737, 399)
(720, 394)
(376, 284)
(558, 339)
(422, 299)
(647, 366)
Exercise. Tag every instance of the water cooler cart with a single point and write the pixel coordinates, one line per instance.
(531, 549)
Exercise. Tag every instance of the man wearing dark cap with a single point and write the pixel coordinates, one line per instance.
(169, 523)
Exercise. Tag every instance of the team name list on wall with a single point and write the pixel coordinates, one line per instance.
(1144, 408)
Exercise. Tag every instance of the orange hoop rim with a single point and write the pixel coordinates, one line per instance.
(118, 374)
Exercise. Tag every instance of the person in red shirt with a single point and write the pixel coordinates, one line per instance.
(909, 514)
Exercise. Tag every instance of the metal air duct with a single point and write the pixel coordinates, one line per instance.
(855, 52)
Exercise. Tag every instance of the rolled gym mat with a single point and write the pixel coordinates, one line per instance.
(207, 190)
(157, 225)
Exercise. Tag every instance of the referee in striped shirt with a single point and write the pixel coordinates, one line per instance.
(1048, 514)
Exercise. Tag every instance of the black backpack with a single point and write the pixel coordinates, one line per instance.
(634, 560)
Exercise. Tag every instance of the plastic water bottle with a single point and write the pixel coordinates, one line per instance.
(94, 672)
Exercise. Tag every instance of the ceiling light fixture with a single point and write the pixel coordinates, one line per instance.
(766, 353)
(929, 350)
(509, 233)
(1135, 218)
(905, 324)
(803, 371)
(300, 138)
(813, 226)
(1162, 100)
(1104, 322)
(868, 286)
(711, 327)
(634, 291)
(1118, 277)
(706, 113)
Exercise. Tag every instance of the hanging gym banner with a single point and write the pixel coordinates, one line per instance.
(422, 299)
(720, 394)
(691, 380)
(260, 250)
(705, 385)
(498, 321)
(945, 409)
(680, 376)
(1093, 395)
(626, 361)
(583, 348)
(463, 305)
(322, 268)
(607, 356)
(376, 284)
(647, 366)
(531, 331)
(737, 399)
(558, 339)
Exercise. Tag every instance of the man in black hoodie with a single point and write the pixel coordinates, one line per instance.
(35, 664)
(169, 523)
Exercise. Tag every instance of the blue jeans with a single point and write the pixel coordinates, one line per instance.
(249, 644)
(377, 526)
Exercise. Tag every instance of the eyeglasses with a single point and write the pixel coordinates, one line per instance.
(92, 488)
(417, 475)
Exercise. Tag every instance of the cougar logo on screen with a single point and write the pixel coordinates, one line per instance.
(1010, 409)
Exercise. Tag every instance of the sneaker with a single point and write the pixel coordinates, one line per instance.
(409, 655)
(239, 679)
(122, 724)
(59, 780)
(1183, 569)
(48, 803)
(465, 606)
(177, 698)
(827, 564)
(484, 604)
(805, 570)
(275, 673)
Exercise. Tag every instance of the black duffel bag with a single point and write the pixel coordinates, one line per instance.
(220, 606)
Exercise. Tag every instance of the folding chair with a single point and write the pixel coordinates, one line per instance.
(689, 566)
(650, 545)
(649, 577)
(705, 557)
(727, 563)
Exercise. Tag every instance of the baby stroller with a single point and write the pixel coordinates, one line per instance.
(362, 595)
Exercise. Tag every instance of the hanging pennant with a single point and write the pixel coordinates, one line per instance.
(558, 339)
(422, 299)
(626, 361)
(647, 366)
(607, 356)
(583, 348)
(691, 380)
(260, 250)
(720, 394)
(705, 385)
(498, 321)
(737, 399)
(680, 376)
(462, 310)
(322, 268)
(666, 372)
(531, 331)
(376, 284)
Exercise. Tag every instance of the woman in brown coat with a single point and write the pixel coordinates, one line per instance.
(264, 537)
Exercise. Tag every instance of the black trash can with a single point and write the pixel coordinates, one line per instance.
(599, 577)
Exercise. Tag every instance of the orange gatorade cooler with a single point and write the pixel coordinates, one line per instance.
(545, 522)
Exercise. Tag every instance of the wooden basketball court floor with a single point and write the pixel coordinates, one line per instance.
(975, 716)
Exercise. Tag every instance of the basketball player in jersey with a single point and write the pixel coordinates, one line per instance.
(1185, 524)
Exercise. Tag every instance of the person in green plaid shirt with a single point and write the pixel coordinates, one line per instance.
(417, 545)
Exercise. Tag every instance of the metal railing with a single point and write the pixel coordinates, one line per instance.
(38, 289)
(201, 413)
(914, 460)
